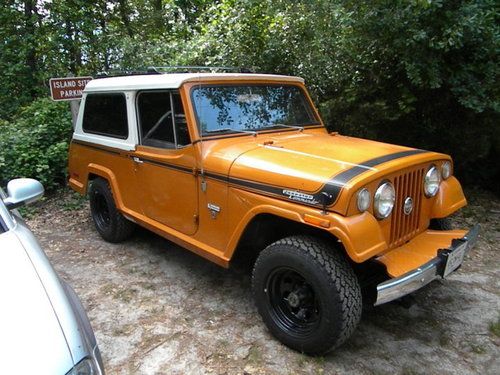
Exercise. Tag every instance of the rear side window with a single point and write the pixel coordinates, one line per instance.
(106, 114)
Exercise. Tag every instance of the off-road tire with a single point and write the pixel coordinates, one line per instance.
(330, 280)
(441, 224)
(109, 222)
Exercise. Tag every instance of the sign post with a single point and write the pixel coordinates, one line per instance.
(69, 88)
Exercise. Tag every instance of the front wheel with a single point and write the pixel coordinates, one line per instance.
(307, 294)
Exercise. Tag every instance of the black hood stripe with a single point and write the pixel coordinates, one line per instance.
(334, 186)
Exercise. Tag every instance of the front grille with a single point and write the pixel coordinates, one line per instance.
(404, 227)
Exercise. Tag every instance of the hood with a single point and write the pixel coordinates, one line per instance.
(32, 339)
(315, 168)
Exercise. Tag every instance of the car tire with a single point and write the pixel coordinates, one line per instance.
(307, 294)
(441, 224)
(109, 222)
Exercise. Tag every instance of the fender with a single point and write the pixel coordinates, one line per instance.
(449, 199)
(351, 231)
(108, 175)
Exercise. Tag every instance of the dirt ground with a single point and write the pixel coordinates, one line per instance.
(159, 309)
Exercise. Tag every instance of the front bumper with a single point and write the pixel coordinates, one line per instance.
(447, 261)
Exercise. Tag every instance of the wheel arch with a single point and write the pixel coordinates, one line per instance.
(266, 228)
(98, 171)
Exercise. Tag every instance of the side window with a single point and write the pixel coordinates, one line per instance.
(106, 114)
(181, 129)
(162, 122)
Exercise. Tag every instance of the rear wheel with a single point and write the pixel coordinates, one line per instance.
(109, 222)
(307, 294)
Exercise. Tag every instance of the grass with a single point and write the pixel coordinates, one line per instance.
(254, 355)
(444, 339)
(149, 286)
(495, 327)
(107, 289)
(125, 295)
(122, 330)
(318, 360)
(73, 202)
(223, 343)
(407, 370)
(478, 349)
(29, 212)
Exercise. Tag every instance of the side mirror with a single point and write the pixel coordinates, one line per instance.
(21, 191)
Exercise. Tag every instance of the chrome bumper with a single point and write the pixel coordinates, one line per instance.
(415, 279)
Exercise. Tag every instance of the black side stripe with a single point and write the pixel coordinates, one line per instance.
(95, 147)
(146, 160)
(261, 188)
(327, 195)
(166, 165)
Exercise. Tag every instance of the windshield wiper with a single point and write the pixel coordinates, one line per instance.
(299, 128)
(224, 130)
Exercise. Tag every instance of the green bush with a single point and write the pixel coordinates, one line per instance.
(35, 143)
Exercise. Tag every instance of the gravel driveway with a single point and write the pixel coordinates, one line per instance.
(159, 309)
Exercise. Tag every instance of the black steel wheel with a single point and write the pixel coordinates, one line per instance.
(307, 294)
(109, 222)
(294, 304)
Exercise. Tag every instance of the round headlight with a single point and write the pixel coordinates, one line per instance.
(384, 200)
(363, 200)
(431, 182)
(446, 170)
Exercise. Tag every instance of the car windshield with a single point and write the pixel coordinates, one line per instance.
(250, 108)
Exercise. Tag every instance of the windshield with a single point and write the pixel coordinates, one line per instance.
(237, 108)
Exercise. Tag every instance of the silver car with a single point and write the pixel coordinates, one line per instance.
(43, 326)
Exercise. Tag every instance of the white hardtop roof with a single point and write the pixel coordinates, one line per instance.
(175, 80)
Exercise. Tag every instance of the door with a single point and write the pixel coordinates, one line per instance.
(164, 162)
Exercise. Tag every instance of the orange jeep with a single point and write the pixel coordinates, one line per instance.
(233, 165)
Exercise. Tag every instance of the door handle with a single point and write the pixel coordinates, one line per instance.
(137, 160)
